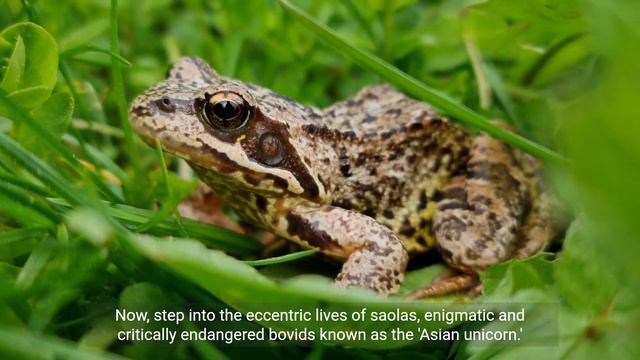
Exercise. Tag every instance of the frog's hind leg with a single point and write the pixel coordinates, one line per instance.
(547, 217)
(498, 210)
(376, 258)
(477, 221)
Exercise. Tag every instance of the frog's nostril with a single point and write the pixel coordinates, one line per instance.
(165, 104)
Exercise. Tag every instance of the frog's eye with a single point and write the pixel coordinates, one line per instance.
(225, 111)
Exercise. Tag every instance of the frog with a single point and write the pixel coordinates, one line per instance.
(370, 180)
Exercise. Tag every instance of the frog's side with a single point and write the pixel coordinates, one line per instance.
(368, 179)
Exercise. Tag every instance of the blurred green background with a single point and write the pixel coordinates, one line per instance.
(566, 73)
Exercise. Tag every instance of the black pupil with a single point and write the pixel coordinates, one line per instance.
(226, 110)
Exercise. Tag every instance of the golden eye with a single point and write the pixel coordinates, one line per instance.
(225, 111)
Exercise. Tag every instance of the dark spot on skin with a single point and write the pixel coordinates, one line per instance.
(472, 255)
(422, 241)
(453, 205)
(388, 214)
(492, 172)
(342, 156)
(423, 201)
(343, 203)
(370, 134)
(345, 170)
(452, 227)
(481, 199)
(437, 196)
(253, 180)
(394, 112)
(281, 183)
(369, 119)
(361, 159)
(446, 254)
(349, 135)
(309, 232)
(456, 193)
(261, 203)
(416, 126)
(436, 121)
(376, 250)
(369, 212)
(387, 134)
(425, 224)
(141, 111)
(406, 229)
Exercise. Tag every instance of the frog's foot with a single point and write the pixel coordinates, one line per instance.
(477, 221)
(376, 258)
(447, 283)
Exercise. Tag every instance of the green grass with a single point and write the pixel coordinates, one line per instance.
(88, 213)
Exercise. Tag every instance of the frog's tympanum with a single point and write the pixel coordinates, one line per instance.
(369, 180)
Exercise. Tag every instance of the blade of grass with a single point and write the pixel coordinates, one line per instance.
(531, 74)
(30, 201)
(31, 12)
(169, 206)
(283, 258)
(55, 181)
(484, 88)
(19, 344)
(39, 169)
(24, 184)
(165, 178)
(118, 89)
(99, 158)
(102, 129)
(12, 207)
(21, 241)
(209, 235)
(21, 115)
(419, 90)
(362, 21)
(89, 48)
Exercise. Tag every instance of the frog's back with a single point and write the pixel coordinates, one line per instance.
(391, 157)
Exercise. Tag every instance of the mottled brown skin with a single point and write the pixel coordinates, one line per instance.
(370, 179)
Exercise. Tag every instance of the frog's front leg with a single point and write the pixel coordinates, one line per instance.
(375, 258)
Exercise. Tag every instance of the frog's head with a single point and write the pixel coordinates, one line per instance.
(235, 135)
